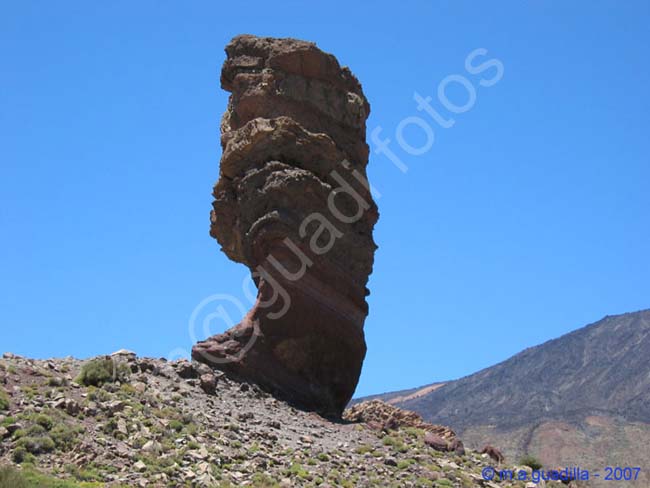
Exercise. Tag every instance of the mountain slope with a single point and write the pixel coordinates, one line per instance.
(124, 421)
(581, 399)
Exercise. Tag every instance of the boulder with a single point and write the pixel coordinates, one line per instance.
(184, 369)
(208, 383)
(293, 204)
(457, 446)
(436, 442)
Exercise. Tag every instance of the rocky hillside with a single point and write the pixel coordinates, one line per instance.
(127, 421)
(582, 399)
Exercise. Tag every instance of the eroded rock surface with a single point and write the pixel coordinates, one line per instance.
(293, 204)
(381, 415)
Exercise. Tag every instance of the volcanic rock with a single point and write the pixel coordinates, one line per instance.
(294, 205)
(185, 437)
(378, 413)
(435, 441)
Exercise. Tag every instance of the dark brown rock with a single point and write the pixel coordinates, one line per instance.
(457, 446)
(293, 204)
(208, 383)
(11, 428)
(494, 453)
(436, 442)
(184, 369)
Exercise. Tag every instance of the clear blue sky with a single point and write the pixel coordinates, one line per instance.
(526, 219)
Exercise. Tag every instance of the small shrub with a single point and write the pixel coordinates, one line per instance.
(64, 436)
(323, 457)
(404, 463)
(97, 395)
(8, 421)
(35, 479)
(4, 400)
(30, 391)
(395, 443)
(261, 480)
(531, 461)
(176, 425)
(365, 448)
(127, 389)
(88, 473)
(100, 371)
(297, 470)
(36, 445)
(36, 431)
(44, 421)
(56, 382)
(20, 455)
(413, 432)
(18, 434)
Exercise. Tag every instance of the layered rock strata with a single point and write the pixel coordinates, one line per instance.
(294, 205)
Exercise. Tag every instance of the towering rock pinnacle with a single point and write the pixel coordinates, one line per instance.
(293, 204)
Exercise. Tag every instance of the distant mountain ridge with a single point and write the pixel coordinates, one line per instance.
(565, 399)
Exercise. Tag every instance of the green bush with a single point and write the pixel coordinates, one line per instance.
(20, 455)
(395, 443)
(98, 395)
(176, 425)
(8, 421)
(36, 445)
(18, 434)
(64, 436)
(36, 431)
(96, 372)
(4, 400)
(11, 478)
(531, 461)
(44, 421)
(88, 473)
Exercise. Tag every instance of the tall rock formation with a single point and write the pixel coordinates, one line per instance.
(293, 204)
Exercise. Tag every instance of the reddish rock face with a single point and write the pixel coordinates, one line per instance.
(293, 204)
